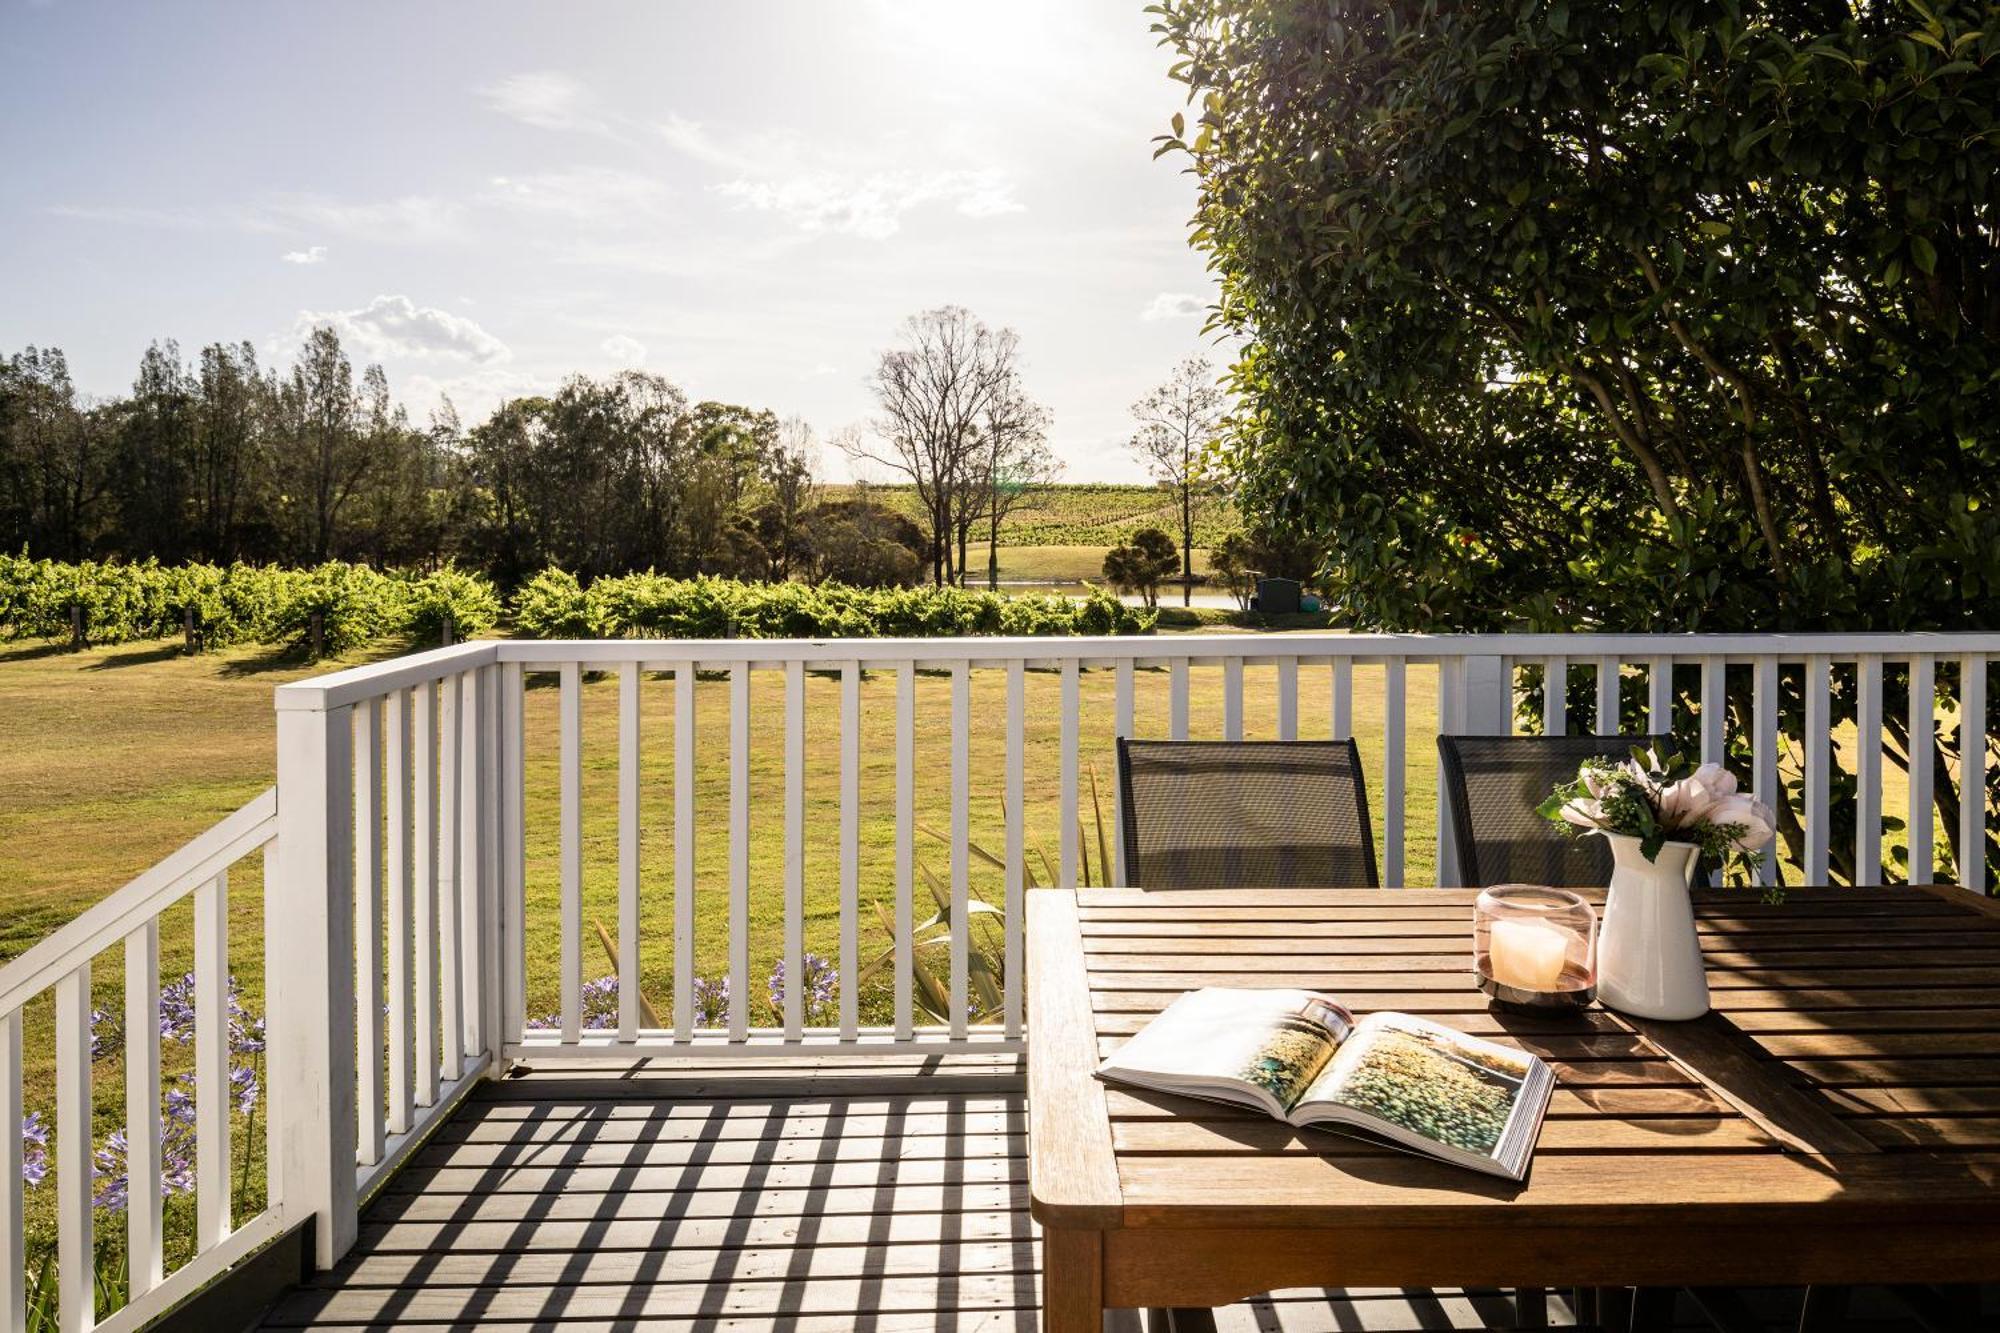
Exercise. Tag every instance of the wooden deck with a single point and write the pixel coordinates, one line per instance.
(744, 1197)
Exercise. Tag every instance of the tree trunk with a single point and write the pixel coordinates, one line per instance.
(1187, 545)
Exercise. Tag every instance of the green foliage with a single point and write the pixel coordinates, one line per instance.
(554, 605)
(1081, 514)
(467, 602)
(1676, 315)
(348, 605)
(1142, 564)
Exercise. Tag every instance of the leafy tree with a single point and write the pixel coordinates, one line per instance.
(1013, 459)
(1671, 316)
(1141, 564)
(1178, 421)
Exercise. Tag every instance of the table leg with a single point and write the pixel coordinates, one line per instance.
(1072, 1281)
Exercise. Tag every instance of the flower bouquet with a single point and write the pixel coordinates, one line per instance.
(1658, 801)
(1660, 815)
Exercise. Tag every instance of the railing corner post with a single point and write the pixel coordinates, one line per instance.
(309, 970)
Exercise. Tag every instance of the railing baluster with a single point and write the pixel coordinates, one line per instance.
(1288, 698)
(451, 944)
(628, 851)
(739, 851)
(367, 929)
(1660, 696)
(424, 886)
(1016, 843)
(473, 767)
(1923, 788)
(850, 848)
(570, 781)
(75, 1256)
(1177, 721)
(1714, 710)
(1394, 696)
(1342, 720)
(1607, 697)
(1764, 742)
(1819, 760)
(961, 856)
(1232, 699)
(13, 1237)
(684, 751)
(795, 849)
(1451, 722)
(211, 1061)
(1868, 769)
(906, 827)
(1972, 772)
(1555, 696)
(513, 853)
(399, 908)
(143, 1218)
(1072, 717)
(1121, 727)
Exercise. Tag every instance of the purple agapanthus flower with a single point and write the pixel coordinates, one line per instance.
(710, 1001)
(110, 1168)
(34, 1149)
(821, 979)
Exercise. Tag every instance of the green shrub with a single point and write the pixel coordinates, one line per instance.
(469, 602)
(554, 606)
(352, 603)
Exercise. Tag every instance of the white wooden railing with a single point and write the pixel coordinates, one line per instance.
(407, 919)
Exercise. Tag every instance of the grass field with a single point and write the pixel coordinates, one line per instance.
(1059, 534)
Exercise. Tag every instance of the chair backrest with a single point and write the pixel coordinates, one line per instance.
(1244, 814)
(1495, 783)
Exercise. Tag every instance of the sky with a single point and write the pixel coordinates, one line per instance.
(747, 198)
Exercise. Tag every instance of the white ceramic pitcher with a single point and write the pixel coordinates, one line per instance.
(1648, 956)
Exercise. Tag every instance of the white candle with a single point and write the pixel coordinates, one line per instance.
(1527, 955)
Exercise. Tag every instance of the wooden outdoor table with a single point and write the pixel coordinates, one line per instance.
(1836, 1120)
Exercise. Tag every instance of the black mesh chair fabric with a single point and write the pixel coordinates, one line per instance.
(1244, 814)
(1495, 783)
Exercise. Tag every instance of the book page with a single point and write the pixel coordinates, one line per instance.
(1418, 1080)
(1270, 1043)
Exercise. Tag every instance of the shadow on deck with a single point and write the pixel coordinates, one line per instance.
(739, 1196)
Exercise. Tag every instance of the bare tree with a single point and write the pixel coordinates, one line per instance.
(1013, 458)
(934, 390)
(1176, 423)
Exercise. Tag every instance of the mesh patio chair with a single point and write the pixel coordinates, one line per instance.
(1244, 814)
(1495, 783)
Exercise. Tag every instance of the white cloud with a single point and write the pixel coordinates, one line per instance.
(624, 349)
(396, 326)
(872, 206)
(547, 99)
(410, 218)
(312, 254)
(1175, 305)
(692, 138)
(587, 194)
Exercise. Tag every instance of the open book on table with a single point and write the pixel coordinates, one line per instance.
(1301, 1058)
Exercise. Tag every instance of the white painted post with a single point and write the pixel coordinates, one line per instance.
(1016, 843)
(1288, 698)
(1607, 718)
(961, 857)
(1764, 741)
(309, 947)
(570, 781)
(399, 895)
(684, 751)
(473, 870)
(850, 849)
(1868, 769)
(1394, 698)
(368, 927)
(144, 1215)
(1484, 707)
(1121, 728)
(211, 1061)
(793, 1012)
(1923, 788)
(628, 851)
(739, 851)
(1555, 696)
(1660, 696)
(1819, 765)
(1972, 772)
(513, 856)
(906, 821)
(75, 1243)
(1069, 844)
(13, 1240)
(450, 937)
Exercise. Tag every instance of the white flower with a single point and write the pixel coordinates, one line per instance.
(1758, 820)
(1599, 782)
(1583, 813)
(1685, 804)
(1719, 781)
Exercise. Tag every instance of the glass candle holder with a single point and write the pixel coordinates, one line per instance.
(1535, 948)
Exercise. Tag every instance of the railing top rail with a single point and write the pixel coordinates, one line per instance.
(146, 896)
(337, 689)
(340, 688)
(1196, 647)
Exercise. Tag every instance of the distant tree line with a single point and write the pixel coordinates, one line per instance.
(219, 459)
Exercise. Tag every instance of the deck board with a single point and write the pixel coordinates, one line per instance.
(734, 1197)
(740, 1198)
